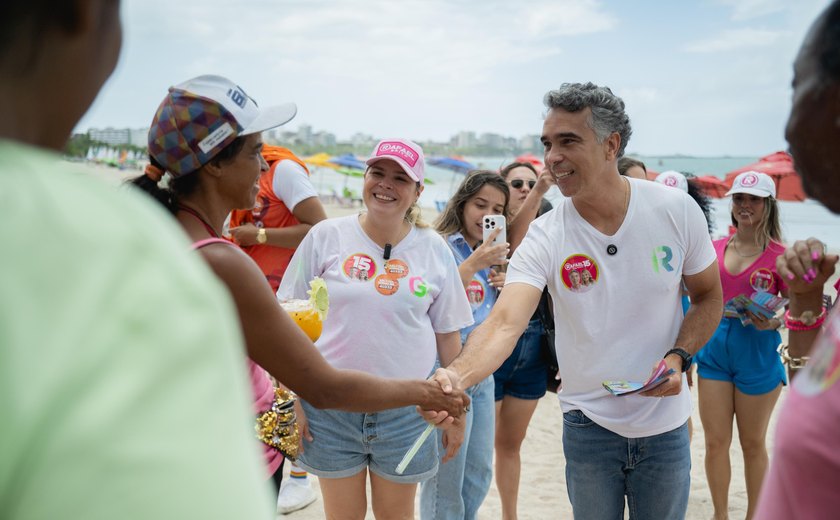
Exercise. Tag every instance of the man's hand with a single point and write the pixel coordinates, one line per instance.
(245, 235)
(673, 385)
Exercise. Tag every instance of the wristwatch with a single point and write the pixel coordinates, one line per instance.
(686, 357)
(262, 238)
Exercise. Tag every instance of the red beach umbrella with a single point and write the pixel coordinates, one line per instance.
(711, 186)
(530, 159)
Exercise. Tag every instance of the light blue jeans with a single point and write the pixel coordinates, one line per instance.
(602, 467)
(461, 484)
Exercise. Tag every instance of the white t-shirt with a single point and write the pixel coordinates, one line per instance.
(292, 184)
(623, 321)
(382, 318)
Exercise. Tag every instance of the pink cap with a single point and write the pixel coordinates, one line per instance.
(408, 154)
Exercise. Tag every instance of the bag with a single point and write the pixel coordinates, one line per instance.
(546, 316)
(278, 427)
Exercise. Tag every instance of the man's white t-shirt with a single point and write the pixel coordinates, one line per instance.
(291, 184)
(383, 314)
(617, 314)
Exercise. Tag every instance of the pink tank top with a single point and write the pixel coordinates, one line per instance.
(262, 387)
(759, 276)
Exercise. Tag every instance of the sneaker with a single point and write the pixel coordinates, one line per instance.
(294, 496)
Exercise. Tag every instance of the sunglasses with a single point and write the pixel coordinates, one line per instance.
(518, 183)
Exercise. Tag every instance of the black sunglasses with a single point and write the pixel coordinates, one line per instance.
(518, 183)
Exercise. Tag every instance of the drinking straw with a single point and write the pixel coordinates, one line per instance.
(414, 449)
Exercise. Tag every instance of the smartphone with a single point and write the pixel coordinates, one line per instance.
(492, 223)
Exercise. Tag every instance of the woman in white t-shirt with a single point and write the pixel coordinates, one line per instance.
(397, 303)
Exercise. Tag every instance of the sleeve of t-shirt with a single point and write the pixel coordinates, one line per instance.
(302, 268)
(292, 184)
(450, 311)
(531, 260)
(700, 252)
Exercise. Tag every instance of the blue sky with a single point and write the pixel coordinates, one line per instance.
(699, 77)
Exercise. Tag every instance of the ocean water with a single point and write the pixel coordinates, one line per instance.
(800, 220)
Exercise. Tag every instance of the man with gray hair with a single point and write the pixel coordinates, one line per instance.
(636, 242)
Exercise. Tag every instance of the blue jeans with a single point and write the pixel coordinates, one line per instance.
(461, 484)
(602, 467)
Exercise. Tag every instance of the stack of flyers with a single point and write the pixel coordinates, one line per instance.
(759, 303)
(659, 376)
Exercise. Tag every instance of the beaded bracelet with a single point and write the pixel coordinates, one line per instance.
(807, 321)
(795, 363)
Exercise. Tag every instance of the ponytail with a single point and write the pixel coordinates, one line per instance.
(166, 191)
(414, 216)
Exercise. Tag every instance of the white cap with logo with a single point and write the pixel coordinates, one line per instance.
(753, 183)
(673, 179)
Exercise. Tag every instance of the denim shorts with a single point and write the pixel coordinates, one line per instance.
(346, 442)
(524, 372)
(603, 467)
(743, 356)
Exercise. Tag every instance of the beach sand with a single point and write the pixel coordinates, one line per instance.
(542, 492)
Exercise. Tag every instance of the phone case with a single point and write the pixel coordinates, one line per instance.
(491, 223)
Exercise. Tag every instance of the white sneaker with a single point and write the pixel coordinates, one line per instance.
(294, 496)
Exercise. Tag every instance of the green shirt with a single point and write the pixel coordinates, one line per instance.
(123, 388)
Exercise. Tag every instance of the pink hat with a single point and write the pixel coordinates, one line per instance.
(753, 183)
(406, 153)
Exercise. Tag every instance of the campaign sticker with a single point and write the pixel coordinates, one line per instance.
(579, 273)
(396, 268)
(359, 267)
(385, 285)
(762, 280)
(475, 293)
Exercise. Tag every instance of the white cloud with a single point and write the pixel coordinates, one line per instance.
(750, 9)
(736, 39)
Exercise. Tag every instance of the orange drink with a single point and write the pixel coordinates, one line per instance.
(310, 314)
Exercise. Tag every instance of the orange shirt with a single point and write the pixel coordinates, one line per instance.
(270, 212)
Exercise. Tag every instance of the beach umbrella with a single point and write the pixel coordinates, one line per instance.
(711, 186)
(456, 164)
(320, 159)
(779, 166)
(348, 160)
(530, 159)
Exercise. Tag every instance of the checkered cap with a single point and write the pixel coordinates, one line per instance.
(200, 117)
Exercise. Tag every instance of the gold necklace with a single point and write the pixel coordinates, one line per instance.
(735, 248)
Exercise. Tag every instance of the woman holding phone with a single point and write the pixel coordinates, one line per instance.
(457, 492)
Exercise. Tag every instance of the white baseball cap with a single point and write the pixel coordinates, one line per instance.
(673, 179)
(753, 183)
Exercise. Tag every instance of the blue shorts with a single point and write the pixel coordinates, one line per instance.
(744, 356)
(345, 443)
(525, 371)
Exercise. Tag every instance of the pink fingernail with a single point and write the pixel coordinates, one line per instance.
(815, 255)
(790, 276)
(812, 273)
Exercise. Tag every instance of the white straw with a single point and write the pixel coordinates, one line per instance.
(414, 449)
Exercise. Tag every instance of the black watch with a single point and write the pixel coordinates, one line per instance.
(686, 357)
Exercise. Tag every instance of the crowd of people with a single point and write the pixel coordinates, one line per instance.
(143, 342)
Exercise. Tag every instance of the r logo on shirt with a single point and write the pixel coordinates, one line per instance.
(662, 258)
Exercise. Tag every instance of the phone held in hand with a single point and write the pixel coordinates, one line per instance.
(492, 223)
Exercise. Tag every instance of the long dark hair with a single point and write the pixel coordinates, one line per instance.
(173, 188)
(452, 219)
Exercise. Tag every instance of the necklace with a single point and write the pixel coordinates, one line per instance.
(735, 248)
(195, 214)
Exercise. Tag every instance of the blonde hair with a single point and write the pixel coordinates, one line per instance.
(414, 216)
(769, 229)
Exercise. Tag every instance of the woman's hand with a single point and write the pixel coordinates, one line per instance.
(302, 424)
(245, 235)
(496, 279)
(805, 266)
(488, 254)
(762, 323)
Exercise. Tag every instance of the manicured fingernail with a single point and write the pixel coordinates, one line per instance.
(812, 273)
(815, 255)
(790, 276)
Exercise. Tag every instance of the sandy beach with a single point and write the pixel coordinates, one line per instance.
(543, 487)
